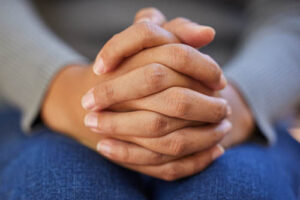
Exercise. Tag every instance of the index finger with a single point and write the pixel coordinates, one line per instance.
(182, 167)
(130, 41)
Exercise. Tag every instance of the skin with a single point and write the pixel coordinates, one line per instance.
(241, 118)
(145, 34)
(145, 108)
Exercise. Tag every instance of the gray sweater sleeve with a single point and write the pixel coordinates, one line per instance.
(30, 55)
(266, 68)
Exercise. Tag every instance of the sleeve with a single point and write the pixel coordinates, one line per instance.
(266, 67)
(30, 56)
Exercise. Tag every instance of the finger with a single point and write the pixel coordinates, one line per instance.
(183, 59)
(130, 41)
(186, 31)
(150, 15)
(187, 140)
(124, 152)
(138, 123)
(181, 103)
(137, 83)
(190, 32)
(182, 167)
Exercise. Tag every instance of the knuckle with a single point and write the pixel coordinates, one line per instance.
(171, 173)
(108, 92)
(146, 31)
(157, 125)
(181, 53)
(180, 106)
(177, 145)
(181, 109)
(155, 75)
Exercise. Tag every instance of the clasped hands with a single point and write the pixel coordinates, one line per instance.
(150, 101)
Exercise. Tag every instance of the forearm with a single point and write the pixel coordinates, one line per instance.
(30, 57)
(266, 68)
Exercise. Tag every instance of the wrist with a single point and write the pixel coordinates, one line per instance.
(241, 117)
(246, 113)
(63, 94)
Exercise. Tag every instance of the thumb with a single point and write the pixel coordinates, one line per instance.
(186, 31)
(190, 33)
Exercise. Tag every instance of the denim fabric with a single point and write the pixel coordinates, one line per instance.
(50, 166)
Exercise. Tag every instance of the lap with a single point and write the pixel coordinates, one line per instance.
(248, 171)
(51, 166)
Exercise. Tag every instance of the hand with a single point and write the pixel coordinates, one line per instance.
(63, 113)
(64, 96)
(162, 136)
(147, 34)
(241, 117)
(128, 153)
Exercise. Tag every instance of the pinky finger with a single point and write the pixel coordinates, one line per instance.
(181, 168)
(128, 153)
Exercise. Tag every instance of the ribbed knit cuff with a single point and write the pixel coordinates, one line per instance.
(262, 119)
(30, 57)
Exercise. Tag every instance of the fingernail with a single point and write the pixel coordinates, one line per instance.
(227, 125)
(91, 120)
(104, 148)
(143, 20)
(224, 127)
(99, 67)
(88, 100)
(218, 151)
(223, 81)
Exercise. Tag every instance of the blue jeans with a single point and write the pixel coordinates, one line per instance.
(50, 166)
